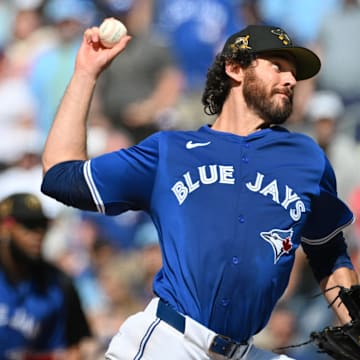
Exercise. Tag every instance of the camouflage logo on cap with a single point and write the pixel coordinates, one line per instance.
(282, 36)
(241, 42)
(32, 203)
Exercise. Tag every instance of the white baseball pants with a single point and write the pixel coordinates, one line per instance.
(143, 336)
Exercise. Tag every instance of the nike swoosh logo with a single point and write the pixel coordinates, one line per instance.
(191, 145)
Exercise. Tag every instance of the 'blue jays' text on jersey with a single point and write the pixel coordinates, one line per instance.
(230, 212)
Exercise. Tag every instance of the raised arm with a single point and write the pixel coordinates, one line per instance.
(67, 137)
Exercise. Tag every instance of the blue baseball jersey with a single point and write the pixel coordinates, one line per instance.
(230, 212)
(35, 315)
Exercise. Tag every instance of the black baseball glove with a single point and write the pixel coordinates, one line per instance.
(342, 342)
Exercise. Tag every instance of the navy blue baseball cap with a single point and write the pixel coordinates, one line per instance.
(261, 39)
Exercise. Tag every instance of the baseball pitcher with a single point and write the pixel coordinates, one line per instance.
(232, 201)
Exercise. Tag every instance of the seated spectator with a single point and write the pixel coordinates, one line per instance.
(146, 108)
(30, 34)
(53, 324)
(194, 31)
(17, 114)
(51, 70)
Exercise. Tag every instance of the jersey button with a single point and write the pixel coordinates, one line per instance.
(245, 159)
(241, 219)
(225, 302)
(235, 260)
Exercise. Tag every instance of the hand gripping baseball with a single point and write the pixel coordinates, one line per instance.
(111, 31)
(93, 56)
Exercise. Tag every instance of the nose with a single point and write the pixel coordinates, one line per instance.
(289, 79)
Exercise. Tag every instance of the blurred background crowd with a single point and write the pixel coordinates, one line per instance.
(157, 84)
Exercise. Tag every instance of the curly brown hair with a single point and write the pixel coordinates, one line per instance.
(218, 83)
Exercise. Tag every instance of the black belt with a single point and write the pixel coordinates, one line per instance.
(221, 345)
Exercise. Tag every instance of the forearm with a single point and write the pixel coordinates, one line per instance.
(343, 277)
(67, 137)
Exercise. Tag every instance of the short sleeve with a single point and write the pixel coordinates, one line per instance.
(123, 180)
(329, 215)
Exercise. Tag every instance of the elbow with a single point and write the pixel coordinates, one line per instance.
(336, 257)
(46, 165)
(47, 162)
(65, 182)
(49, 159)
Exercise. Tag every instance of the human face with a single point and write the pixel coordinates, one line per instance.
(268, 88)
(26, 242)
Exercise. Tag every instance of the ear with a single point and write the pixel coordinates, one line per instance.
(234, 71)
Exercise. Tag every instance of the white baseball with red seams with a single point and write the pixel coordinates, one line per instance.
(111, 31)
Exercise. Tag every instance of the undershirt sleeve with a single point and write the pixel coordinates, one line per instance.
(326, 258)
(110, 183)
(65, 182)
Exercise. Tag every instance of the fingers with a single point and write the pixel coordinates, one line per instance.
(91, 36)
(93, 56)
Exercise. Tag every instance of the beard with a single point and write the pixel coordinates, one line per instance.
(34, 266)
(259, 100)
(21, 257)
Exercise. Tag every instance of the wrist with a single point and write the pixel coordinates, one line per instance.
(85, 77)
